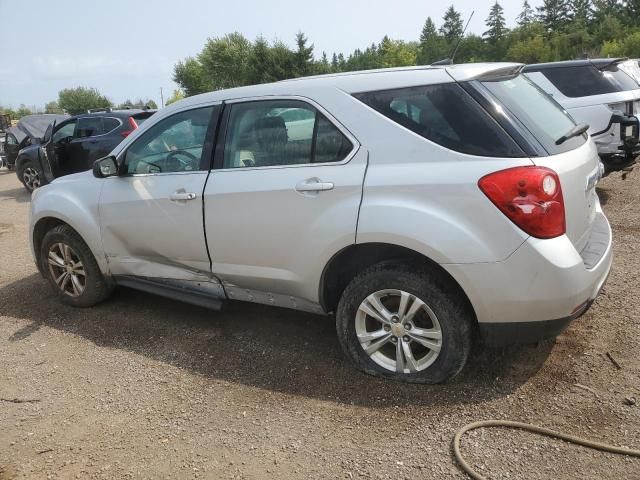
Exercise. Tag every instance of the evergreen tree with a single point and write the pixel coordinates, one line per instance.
(496, 24)
(304, 56)
(335, 67)
(453, 26)
(581, 11)
(431, 47)
(554, 15)
(527, 15)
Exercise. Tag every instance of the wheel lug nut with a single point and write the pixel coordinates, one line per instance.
(406, 338)
(387, 328)
(407, 326)
(395, 319)
(394, 339)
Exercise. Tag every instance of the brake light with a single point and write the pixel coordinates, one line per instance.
(531, 197)
(133, 125)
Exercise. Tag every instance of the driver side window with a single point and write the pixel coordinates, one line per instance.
(175, 144)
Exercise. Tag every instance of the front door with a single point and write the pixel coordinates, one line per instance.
(151, 215)
(55, 149)
(282, 199)
(11, 148)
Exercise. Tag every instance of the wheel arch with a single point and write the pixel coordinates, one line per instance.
(353, 259)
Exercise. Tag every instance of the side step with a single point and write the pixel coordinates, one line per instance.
(170, 291)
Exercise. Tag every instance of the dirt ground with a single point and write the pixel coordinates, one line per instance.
(143, 387)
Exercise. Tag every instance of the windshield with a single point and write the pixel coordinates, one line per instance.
(537, 111)
(587, 80)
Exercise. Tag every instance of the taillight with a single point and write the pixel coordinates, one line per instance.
(531, 197)
(133, 125)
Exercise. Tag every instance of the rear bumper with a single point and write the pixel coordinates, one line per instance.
(500, 334)
(539, 289)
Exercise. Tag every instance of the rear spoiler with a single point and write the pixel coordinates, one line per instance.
(606, 64)
(500, 74)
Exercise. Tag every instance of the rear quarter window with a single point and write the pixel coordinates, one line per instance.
(447, 115)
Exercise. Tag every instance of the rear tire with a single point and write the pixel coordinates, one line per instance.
(71, 269)
(413, 327)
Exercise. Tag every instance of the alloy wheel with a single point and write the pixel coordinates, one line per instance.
(398, 331)
(66, 269)
(31, 178)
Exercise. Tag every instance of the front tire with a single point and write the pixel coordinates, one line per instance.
(30, 176)
(71, 269)
(403, 323)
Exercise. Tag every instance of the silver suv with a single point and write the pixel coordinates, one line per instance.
(425, 207)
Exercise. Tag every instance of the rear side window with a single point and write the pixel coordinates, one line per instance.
(446, 115)
(110, 124)
(89, 127)
(587, 80)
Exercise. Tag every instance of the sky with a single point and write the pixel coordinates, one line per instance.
(127, 48)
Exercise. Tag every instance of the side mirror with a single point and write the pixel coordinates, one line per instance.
(105, 167)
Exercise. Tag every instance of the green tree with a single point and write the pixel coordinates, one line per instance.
(496, 24)
(23, 111)
(53, 107)
(397, 53)
(432, 46)
(453, 26)
(554, 15)
(303, 56)
(175, 96)
(225, 60)
(190, 75)
(526, 16)
(78, 100)
(581, 11)
(533, 50)
(631, 45)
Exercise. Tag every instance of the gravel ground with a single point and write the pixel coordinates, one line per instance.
(143, 387)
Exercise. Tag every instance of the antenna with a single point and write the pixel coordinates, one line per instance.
(449, 60)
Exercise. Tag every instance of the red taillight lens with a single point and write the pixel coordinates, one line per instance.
(531, 197)
(133, 125)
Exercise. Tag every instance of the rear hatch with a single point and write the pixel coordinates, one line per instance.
(574, 159)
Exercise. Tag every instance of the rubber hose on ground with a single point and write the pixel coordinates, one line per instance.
(529, 428)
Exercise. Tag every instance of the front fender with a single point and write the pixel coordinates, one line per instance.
(75, 202)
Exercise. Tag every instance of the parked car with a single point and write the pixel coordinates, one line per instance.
(28, 131)
(73, 144)
(427, 208)
(600, 94)
(632, 68)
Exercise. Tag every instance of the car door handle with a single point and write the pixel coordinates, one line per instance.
(314, 185)
(182, 196)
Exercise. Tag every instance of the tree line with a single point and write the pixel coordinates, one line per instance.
(75, 101)
(557, 30)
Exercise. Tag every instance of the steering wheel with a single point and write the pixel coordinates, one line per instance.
(181, 164)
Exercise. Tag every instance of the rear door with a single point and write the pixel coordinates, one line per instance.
(283, 197)
(55, 148)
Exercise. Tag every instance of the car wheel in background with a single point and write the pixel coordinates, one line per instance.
(30, 176)
(71, 268)
(397, 322)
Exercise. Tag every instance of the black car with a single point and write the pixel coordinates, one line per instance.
(72, 145)
(29, 131)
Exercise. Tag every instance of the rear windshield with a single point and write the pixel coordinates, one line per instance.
(538, 112)
(140, 118)
(446, 115)
(587, 80)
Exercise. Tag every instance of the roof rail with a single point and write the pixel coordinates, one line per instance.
(94, 110)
